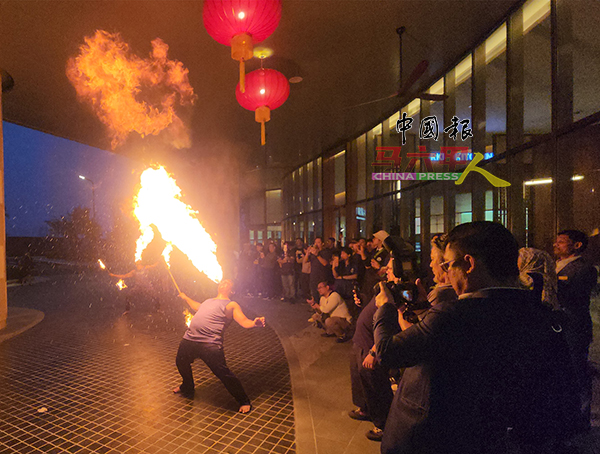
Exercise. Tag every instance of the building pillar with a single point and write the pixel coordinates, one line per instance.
(514, 123)
(7, 84)
(562, 111)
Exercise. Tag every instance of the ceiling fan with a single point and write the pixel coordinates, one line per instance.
(414, 76)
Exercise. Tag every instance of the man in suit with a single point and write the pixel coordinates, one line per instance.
(484, 372)
(576, 280)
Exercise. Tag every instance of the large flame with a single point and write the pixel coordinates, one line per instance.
(121, 285)
(159, 202)
(102, 265)
(129, 93)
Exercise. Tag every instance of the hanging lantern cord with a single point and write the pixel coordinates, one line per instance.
(262, 115)
(242, 76)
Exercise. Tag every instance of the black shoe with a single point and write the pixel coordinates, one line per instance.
(375, 434)
(327, 335)
(342, 339)
(359, 415)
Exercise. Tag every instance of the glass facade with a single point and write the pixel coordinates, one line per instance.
(527, 92)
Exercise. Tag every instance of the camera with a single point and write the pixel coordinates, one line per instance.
(405, 295)
(405, 259)
(404, 292)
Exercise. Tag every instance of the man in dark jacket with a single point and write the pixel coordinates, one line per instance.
(576, 280)
(490, 369)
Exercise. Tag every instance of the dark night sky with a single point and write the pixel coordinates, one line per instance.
(42, 183)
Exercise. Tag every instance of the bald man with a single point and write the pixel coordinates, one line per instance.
(204, 340)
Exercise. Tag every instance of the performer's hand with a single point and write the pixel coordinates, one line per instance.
(259, 322)
(369, 362)
(183, 296)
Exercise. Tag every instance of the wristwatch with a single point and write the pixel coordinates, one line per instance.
(372, 353)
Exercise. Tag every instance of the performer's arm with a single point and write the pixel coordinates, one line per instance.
(122, 276)
(241, 319)
(193, 304)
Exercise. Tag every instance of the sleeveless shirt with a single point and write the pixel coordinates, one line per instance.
(209, 322)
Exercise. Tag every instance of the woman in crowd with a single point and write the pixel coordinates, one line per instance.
(345, 273)
(287, 263)
(442, 291)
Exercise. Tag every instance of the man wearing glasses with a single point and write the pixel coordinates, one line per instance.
(495, 365)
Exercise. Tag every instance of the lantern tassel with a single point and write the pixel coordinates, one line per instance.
(262, 133)
(242, 76)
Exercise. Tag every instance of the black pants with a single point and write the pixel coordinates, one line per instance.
(371, 390)
(214, 358)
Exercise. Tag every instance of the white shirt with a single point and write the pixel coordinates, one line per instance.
(560, 264)
(335, 306)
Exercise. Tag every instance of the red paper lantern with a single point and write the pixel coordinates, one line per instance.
(266, 90)
(241, 24)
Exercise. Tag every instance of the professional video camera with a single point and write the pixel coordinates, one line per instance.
(404, 292)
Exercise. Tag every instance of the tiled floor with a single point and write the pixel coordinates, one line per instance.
(88, 380)
(105, 381)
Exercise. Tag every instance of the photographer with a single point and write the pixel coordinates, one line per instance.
(371, 390)
(374, 262)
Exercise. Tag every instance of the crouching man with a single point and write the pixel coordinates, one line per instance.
(338, 322)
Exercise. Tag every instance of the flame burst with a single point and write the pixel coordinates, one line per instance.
(121, 285)
(102, 265)
(129, 93)
(159, 202)
(188, 317)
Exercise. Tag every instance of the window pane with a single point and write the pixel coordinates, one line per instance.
(537, 70)
(436, 207)
(463, 208)
(361, 148)
(495, 92)
(340, 178)
(586, 58)
(462, 75)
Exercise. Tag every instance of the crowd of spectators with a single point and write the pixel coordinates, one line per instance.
(292, 271)
(492, 357)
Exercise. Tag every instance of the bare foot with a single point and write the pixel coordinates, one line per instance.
(245, 409)
(177, 390)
